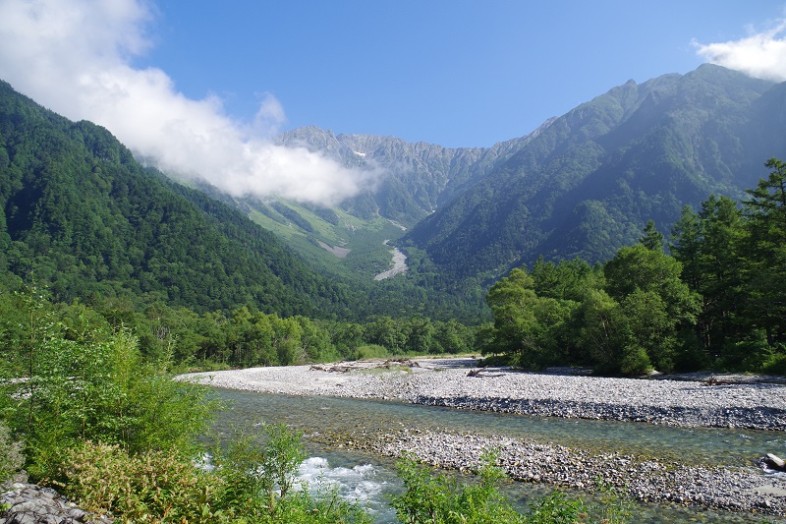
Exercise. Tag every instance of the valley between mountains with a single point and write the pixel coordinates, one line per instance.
(640, 234)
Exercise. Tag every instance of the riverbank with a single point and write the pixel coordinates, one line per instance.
(741, 487)
(456, 383)
(744, 488)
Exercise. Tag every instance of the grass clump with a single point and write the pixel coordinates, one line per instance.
(434, 498)
(370, 351)
(440, 499)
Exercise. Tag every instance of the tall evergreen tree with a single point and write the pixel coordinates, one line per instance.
(720, 263)
(765, 210)
(652, 238)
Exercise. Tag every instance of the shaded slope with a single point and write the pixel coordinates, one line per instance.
(589, 181)
(83, 217)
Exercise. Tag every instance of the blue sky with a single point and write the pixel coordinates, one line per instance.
(199, 88)
(455, 73)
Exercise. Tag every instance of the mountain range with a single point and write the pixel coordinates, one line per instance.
(81, 215)
(583, 184)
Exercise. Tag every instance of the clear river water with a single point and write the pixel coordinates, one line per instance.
(370, 479)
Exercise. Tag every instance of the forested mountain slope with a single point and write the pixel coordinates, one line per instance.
(583, 184)
(81, 216)
(410, 181)
(587, 183)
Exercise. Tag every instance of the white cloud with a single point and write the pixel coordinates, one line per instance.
(761, 54)
(270, 116)
(74, 57)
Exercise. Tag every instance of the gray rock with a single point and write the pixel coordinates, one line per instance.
(32, 504)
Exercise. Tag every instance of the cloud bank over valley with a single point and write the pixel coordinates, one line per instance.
(76, 57)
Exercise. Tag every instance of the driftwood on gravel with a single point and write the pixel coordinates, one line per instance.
(482, 373)
(388, 364)
(332, 369)
(774, 462)
(400, 362)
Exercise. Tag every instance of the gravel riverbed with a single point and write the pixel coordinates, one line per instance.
(457, 384)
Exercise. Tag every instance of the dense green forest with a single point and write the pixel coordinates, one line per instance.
(240, 337)
(81, 217)
(717, 301)
(585, 184)
(84, 218)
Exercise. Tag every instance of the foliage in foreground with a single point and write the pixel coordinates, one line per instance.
(99, 391)
(159, 487)
(118, 435)
(440, 499)
(433, 498)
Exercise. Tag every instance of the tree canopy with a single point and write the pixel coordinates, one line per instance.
(718, 300)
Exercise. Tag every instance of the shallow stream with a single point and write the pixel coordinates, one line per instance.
(370, 479)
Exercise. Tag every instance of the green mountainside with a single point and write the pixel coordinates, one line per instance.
(582, 185)
(587, 184)
(412, 180)
(82, 217)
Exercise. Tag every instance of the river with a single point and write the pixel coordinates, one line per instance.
(370, 479)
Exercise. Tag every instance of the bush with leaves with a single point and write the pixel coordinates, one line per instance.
(101, 391)
(433, 498)
(440, 499)
(260, 480)
(154, 486)
(254, 470)
(167, 486)
(557, 508)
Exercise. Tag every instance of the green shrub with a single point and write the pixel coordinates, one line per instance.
(371, 351)
(256, 472)
(615, 508)
(283, 454)
(103, 392)
(635, 361)
(167, 487)
(154, 487)
(439, 499)
(775, 363)
(302, 508)
(261, 480)
(557, 508)
(433, 498)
